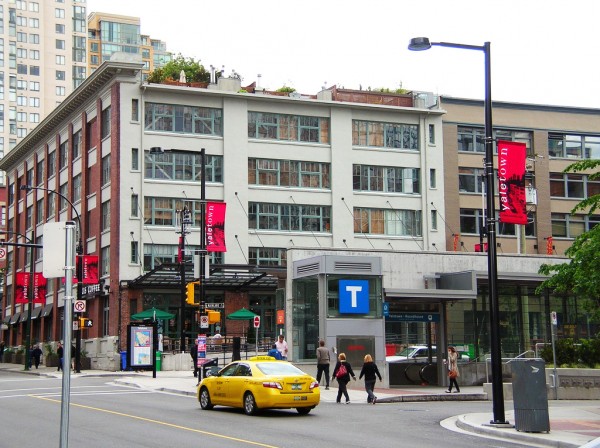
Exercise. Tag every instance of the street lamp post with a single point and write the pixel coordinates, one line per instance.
(423, 43)
(31, 245)
(78, 270)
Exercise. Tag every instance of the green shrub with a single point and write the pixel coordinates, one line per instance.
(583, 353)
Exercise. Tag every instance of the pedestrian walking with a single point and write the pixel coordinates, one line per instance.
(370, 372)
(452, 369)
(282, 347)
(342, 373)
(2, 347)
(60, 352)
(323, 361)
(194, 355)
(36, 354)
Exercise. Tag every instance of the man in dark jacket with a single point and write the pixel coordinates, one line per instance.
(36, 355)
(323, 361)
(194, 355)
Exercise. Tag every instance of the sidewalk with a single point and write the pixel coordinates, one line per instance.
(570, 426)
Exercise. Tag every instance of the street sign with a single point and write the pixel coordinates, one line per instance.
(215, 305)
(414, 317)
(256, 321)
(2, 254)
(554, 318)
(204, 321)
(79, 306)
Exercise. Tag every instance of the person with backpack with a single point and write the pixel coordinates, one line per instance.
(342, 373)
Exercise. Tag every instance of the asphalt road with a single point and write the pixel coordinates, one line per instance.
(105, 415)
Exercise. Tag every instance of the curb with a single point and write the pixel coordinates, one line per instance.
(435, 397)
(509, 433)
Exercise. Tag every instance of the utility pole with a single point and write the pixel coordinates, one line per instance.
(186, 222)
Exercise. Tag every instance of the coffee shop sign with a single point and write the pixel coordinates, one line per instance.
(91, 290)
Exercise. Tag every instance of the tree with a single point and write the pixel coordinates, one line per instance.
(580, 276)
(194, 71)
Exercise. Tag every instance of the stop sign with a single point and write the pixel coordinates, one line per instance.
(256, 321)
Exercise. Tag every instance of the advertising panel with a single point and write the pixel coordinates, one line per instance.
(141, 338)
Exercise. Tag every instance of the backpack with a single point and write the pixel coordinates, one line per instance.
(342, 371)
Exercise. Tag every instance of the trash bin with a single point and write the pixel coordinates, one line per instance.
(158, 360)
(124, 360)
(211, 366)
(530, 396)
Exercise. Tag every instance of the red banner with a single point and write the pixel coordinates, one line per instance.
(215, 227)
(549, 246)
(22, 287)
(40, 288)
(511, 182)
(90, 269)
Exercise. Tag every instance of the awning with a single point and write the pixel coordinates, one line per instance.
(24, 316)
(228, 277)
(35, 313)
(47, 310)
(15, 318)
(6, 319)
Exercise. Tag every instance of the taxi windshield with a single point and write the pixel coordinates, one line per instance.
(278, 368)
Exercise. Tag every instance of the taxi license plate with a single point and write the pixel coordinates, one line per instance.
(296, 386)
(300, 398)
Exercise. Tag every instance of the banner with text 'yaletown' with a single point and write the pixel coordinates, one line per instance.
(511, 182)
(215, 227)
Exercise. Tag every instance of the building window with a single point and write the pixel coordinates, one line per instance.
(29, 218)
(470, 180)
(105, 123)
(61, 91)
(51, 202)
(77, 188)
(135, 206)
(472, 139)
(267, 256)
(183, 119)
(39, 172)
(34, 86)
(471, 222)
(387, 222)
(60, 75)
(40, 211)
(105, 316)
(182, 167)
(64, 193)
(296, 128)
(385, 135)
(60, 44)
(432, 178)
(288, 173)
(135, 159)
(289, 217)
(386, 179)
(34, 102)
(163, 211)
(34, 70)
(63, 155)
(434, 223)
(571, 146)
(29, 177)
(34, 39)
(60, 28)
(105, 170)
(76, 149)
(105, 261)
(568, 185)
(135, 109)
(432, 134)
(565, 225)
(105, 216)
(51, 164)
(135, 259)
(157, 254)
(59, 13)
(60, 59)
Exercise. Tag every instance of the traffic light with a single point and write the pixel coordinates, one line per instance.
(189, 295)
(84, 322)
(214, 317)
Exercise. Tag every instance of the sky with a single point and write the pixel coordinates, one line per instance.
(542, 51)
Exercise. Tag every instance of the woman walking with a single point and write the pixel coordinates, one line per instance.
(370, 371)
(342, 373)
(453, 369)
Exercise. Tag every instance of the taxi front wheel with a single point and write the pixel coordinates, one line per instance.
(205, 402)
(250, 407)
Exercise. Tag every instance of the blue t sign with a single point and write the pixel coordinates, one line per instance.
(354, 296)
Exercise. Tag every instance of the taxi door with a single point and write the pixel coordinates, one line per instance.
(220, 395)
(238, 384)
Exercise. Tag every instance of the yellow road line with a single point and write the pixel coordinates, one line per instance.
(135, 417)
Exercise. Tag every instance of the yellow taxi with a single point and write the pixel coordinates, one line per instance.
(261, 382)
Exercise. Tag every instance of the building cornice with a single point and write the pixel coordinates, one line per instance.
(89, 88)
(520, 106)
